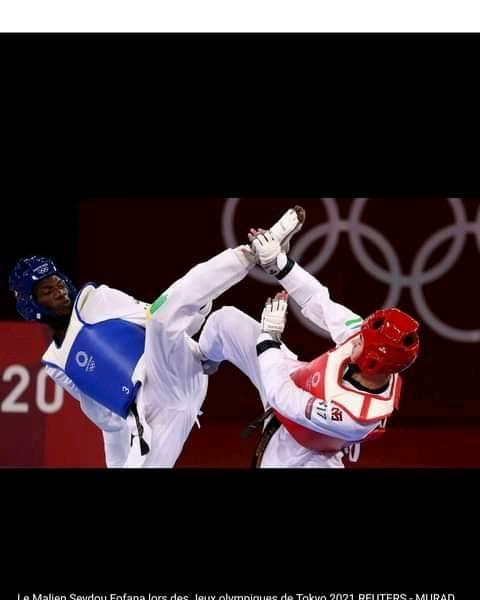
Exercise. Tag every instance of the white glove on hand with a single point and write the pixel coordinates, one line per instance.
(267, 249)
(274, 315)
(270, 247)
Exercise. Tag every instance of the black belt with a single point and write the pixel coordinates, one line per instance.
(270, 429)
(144, 447)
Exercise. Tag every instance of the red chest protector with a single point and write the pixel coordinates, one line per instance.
(322, 378)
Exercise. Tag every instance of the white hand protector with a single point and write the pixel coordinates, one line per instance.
(267, 250)
(270, 247)
(274, 316)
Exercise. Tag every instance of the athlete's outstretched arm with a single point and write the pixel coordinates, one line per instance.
(316, 304)
(312, 297)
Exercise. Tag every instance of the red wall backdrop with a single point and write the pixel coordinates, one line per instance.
(424, 253)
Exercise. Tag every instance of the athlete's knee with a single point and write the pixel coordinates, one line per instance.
(219, 326)
(225, 318)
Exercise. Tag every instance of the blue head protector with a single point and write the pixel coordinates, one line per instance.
(23, 278)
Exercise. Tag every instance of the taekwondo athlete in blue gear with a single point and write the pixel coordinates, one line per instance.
(100, 358)
(133, 366)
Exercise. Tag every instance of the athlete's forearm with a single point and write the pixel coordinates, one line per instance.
(316, 304)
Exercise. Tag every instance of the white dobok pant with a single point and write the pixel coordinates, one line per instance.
(231, 335)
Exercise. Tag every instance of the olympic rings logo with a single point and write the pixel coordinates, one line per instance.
(356, 230)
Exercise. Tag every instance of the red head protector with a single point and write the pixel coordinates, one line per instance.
(390, 342)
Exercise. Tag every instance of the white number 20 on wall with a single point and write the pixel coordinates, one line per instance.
(12, 402)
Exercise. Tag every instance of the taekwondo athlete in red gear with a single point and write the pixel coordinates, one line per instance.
(323, 408)
(133, 366)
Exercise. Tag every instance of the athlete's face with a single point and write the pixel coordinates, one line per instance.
(52, 293)
(357, 348)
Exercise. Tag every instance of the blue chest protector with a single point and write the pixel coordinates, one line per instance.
(102, 359)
